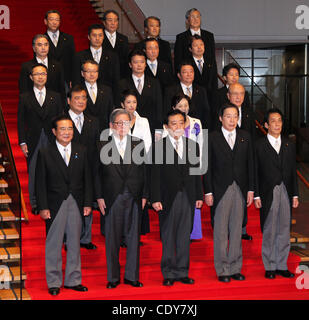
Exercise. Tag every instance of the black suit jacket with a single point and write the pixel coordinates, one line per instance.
(55, 181)
(167, 179)
(182, 44)
(164, 50)
(164, 74)
(55, 78)
(122, 50)
(63, 53)
(226, 165)
(116, 176)
(32, 117)
(102, 107)
(149, 103)
(208, 79)
(109, 68)
(199, 103)
(271, 169)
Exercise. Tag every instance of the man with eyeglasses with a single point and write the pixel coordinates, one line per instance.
(108, 61)
(36, 109)
(228, 186)
(121, 196)
(182, 44)
(55, 78)
(99, 96)
(61, 45)
(64, 193)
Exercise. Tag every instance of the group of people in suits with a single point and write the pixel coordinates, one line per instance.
(122, 132)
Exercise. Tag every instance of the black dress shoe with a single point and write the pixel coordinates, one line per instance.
(79, 287)
(224, 278)
(246, 236)
(54, 291)
(112, 285)
(270, 274)
(285, 273)
(238, 276)
(185, 280)
(168, 282)
(136, 284)
(123, 244)
(35, 211)
(89, 246)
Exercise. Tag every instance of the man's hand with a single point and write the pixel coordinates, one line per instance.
(157, 206)
(102, 206)
(199, 204)
(250, 196)
(295, 202)
(144, 201)
(209, 199)
(24, 149)
(87, 211)
(258, 203)
(45, 214)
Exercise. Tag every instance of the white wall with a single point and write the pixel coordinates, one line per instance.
(235, 20)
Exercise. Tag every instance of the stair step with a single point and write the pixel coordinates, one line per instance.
(3, 184)
(9, 233)
(298, 238)
(15, 274)
(5, 198)
(9, 253)
(7, 215)
(302, 253)
(14, 294)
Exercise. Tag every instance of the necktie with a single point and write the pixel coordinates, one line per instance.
(200, 65)
(92, 94)
(189, 92)
(112, 40)
(152, 65)
(66, 157)
(176, 145)
(277, 146)
(55, 41)
(230, 140)
(139, 86)
(41, 101)
(121, 149)
(78, 123)
(96, 56)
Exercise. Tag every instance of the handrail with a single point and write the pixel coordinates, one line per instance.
(12, 162)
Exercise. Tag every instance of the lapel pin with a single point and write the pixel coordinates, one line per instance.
(76, 156)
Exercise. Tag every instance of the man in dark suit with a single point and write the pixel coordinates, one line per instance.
(55, 79)
(109, 68)
(230, 74)
(148, 90)
(152, 27)
(276, 192)
(86, 133)
(199, 101)
(64, 194)
(122, 196)
(115, 41)
(157, 68)
(61, 45)
(228, 186)
(175, 193)
(205, 72)
(182, 44)
(36, 108)
(99, 96)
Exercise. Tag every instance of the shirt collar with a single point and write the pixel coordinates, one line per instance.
(75, 115)
(272, 139)
(61, 147)
(226, 132)
(36, 90)
(193, 32)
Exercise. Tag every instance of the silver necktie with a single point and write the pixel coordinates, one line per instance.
(78, 123)
(66, 157)
(139, 86)
(92, 94)
(277, 146)
(41, 100)
(121, 149)
(200, 66)
(230, 140)
(55, 41)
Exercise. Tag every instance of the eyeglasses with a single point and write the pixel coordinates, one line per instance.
(122, 123)
(39, 74)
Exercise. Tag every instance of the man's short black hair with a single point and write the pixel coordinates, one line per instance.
(95, 26)
(52, 11)
(151, 17)
(271, 111)
(230, 66)
(58, 118)
(108, 12)
(137, 52)
(38, 65)
(184, 63)
(149, 40)
(195, 37)
(174, 112)
(227, 106)
(76, 88)
(126, 93)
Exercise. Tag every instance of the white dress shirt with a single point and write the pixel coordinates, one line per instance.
(94, 89)
(180, 145)
(155, 66)
(121, 144)
(226, 135)
(135, 78)
(197, 62)
(184, 88)
(274, 142)
(45, 61)
(51, 35)
(93, 52)
(74, 117)
(37, 93)
(61, 149)
(111, 37)
(193, 32)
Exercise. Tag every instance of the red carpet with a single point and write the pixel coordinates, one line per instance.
(15, 48)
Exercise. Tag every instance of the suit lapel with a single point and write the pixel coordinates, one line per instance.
(224, 144)
(59, 161)
(272, 152)
(35, 104)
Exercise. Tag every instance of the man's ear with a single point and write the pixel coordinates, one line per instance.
(54, 131)
(266, 125)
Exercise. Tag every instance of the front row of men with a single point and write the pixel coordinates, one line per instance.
(64, 192)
